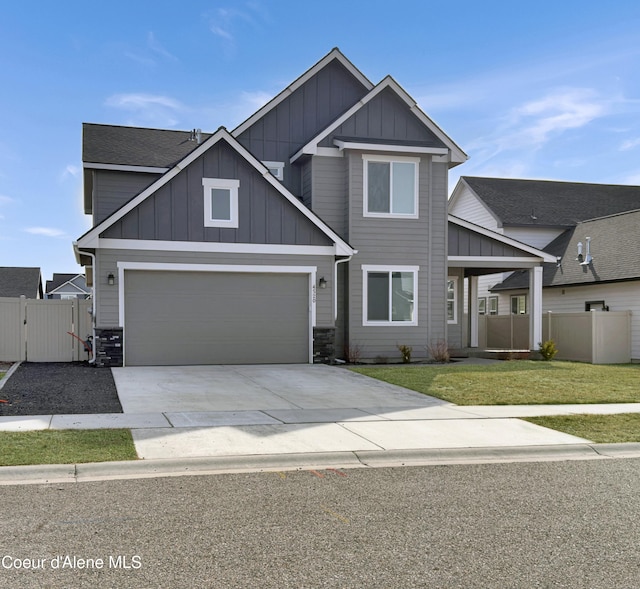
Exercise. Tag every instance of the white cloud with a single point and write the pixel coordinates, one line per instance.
(5, 200)
(629, 144)
(70, 170)
(46, 231)
(147, 109)
(157, 47)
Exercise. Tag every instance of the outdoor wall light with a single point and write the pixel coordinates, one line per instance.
(111, 279)
(322, 283)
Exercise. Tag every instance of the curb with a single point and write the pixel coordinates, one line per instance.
(138, 469)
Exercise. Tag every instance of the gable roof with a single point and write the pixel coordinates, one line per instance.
(443, 140)
(546, 203)
(60, 280)
(614, 246)
(91, 237)
(15, 282)
(334, 54)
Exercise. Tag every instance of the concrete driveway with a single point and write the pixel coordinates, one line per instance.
(258, 410)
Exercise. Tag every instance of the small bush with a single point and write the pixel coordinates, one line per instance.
(439, 351)
(547, 350)
(405, 351)
(352, 353)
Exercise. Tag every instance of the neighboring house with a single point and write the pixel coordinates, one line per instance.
(67, 286)
(16, 282)
(556, 217)
(317, 228)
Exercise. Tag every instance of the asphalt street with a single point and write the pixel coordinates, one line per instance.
(569, 524)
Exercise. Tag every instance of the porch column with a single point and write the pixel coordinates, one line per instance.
(535, 307)
(473, 311)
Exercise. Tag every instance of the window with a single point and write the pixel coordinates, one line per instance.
(276, 168)
(389, 294)
(452, 299)
(519, 304)
(595, 306)
(390, 187)
(482, 306)
(493, 305)
(220, 202)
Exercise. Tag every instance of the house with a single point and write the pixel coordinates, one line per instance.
(317, 228)
(16, 282)
(67, 286)
(557, 217)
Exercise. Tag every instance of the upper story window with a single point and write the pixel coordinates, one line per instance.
(220, 202)
(276, 168)
(390, 186)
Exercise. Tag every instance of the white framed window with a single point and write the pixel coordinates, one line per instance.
(220, 202)
(389, 294)
(482, 305)
(452, 299)
(276, 168)
(493, 305)
(519, 304)
(390, 186)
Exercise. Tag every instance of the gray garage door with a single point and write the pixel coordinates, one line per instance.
(179, 318)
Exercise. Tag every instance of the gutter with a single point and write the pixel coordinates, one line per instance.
(93, 298)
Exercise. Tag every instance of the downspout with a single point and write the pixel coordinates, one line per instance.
(93, 299)
(335, 285)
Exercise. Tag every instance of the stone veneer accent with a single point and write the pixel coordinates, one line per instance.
(109, 350)
(324, 348)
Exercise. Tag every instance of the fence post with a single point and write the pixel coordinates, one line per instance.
(23, 328)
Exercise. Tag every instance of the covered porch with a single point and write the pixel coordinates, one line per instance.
(474, 251)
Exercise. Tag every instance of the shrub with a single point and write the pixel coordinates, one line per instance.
(439, 351)
(406, 353)
(548, 349)
(352, 353)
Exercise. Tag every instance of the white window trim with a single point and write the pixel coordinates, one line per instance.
(365, 185)
(366, 268)
(232, 186)
(278, 169)
(454, 279)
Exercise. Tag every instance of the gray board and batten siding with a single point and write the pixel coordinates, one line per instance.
(175, 212)
(464, 242)
(306, 112)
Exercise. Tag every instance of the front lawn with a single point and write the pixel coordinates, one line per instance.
(516, 382)
(66, 446)
(602, 429)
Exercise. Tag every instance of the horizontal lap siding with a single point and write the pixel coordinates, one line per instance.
(468, 206)
(401, 242)
(107, 296)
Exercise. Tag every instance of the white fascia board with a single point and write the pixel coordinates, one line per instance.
(493, 262)
(545, 257)
(333, 54)
(215, 247)
(72, 288)
(392, 148)
(91, 238)
(123, 168)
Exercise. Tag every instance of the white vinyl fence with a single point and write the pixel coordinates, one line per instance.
(37, 330)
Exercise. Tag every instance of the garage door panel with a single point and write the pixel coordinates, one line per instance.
(215, 318)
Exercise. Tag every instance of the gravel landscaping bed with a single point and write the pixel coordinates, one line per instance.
(57, 388)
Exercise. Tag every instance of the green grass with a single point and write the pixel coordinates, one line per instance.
(517, 382)
(602, 429)
(66, 446)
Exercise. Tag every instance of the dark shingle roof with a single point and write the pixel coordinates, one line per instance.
(615, 247)
(559, 204)
(15, 282)
(135, 146)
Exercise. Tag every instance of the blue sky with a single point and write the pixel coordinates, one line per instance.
(545, 89)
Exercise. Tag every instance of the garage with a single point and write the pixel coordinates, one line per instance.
(215, 317)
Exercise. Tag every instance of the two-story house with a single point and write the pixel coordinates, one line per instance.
(317, 228)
